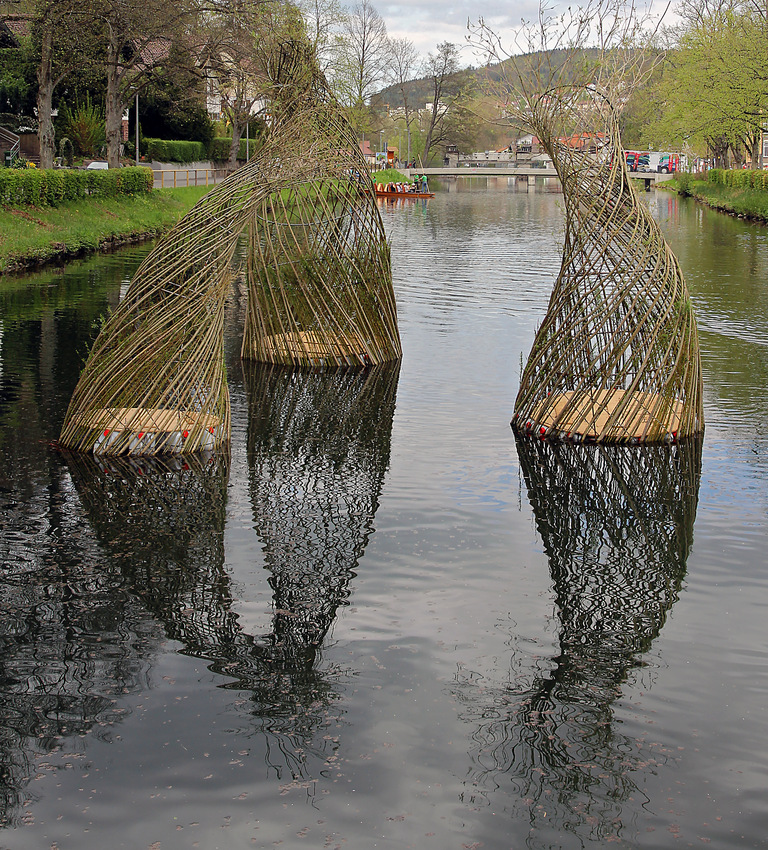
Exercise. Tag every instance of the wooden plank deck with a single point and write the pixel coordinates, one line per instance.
(624, 415)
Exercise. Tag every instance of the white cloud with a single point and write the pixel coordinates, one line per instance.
(428, 23)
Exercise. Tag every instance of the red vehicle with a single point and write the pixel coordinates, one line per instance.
(669, 163)
(632, 159)
(637, 161)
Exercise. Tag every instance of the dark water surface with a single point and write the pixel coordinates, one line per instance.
(383, 623)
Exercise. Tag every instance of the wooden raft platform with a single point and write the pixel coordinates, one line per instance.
(300, 345)
(589, 414)
(393, 195)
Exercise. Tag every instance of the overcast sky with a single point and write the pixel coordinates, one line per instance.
(428, 23)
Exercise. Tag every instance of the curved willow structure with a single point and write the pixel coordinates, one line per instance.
(616, 359)
(321, 287)
(319, 275)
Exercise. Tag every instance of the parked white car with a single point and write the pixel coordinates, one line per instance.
(96, 166)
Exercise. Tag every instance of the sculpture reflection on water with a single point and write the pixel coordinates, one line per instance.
(617, 525)
(318, 449)
(162, 520)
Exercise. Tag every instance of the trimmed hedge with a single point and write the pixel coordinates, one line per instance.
(50, 187)
(741, 178)
(175, 151)
(221, 145)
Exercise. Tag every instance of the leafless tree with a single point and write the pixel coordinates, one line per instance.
(138, 36)
(361, 58)
(601, 45)
(239, 41)
(65, 43)
(324, 19)
(440, 68)
(402, 68)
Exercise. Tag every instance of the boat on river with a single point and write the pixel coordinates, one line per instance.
(400, 190)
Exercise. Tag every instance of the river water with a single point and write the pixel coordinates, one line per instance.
(383, 623)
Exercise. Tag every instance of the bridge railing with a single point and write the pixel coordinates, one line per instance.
(172, 178)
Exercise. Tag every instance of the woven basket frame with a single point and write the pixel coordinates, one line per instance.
(616, 358)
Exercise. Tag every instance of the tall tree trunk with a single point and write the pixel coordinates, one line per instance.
(113, 107)
(237, 132)
(45, 132)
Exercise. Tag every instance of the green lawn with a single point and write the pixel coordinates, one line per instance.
(31, 236)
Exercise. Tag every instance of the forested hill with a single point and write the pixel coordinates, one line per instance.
(419, 91)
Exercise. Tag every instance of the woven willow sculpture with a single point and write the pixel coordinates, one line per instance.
(320, 280)
(321, 287)
(154, 381)
(616, 358)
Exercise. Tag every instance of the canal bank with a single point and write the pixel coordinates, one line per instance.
(740, 193)
(33, 236)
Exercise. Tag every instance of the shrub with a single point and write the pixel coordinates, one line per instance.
(174, 151)
(67, 151)
(220, 148)
(49, 187)
(739, 178)
(221, 145)
(133, 181)
(684, 183)
(715, 176)
(84, 126)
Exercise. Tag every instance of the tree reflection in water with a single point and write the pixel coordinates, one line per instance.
(617, 526)
(73, 641)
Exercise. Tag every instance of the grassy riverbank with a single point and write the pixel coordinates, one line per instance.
(743, 201)
(36, 236)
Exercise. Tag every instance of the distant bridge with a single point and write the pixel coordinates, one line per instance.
(520, 171)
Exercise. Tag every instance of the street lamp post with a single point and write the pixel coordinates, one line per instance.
(137, 127)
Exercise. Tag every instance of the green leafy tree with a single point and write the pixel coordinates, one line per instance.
(172, 106)
(715, 91)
